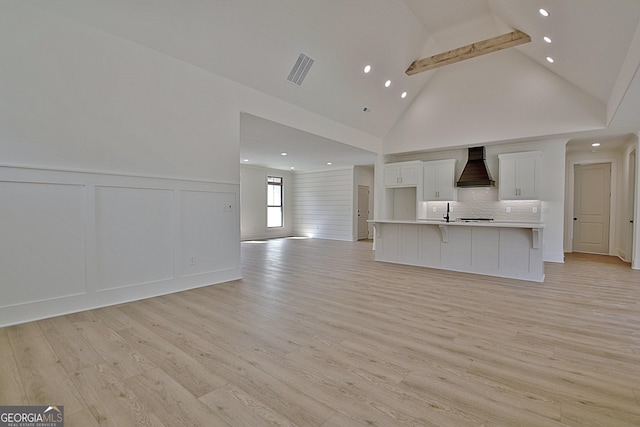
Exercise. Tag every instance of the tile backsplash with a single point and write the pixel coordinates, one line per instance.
(483, 203)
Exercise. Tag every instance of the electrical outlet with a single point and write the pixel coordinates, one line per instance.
(508, 209)
(435, 209)
(534, 209)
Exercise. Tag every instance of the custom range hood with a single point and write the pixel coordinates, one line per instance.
(476, 173)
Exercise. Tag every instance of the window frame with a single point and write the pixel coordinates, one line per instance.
(272, 183)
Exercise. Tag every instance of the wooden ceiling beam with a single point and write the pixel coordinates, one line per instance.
(494, 44)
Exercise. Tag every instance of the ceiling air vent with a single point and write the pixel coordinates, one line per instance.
(300, 69)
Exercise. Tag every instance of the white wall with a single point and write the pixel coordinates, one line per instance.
(76, 98)
(319, 200)
(505, 96)
(323, 204)
(253, 196)
(635, 262)
(116, 117)
(626, 201)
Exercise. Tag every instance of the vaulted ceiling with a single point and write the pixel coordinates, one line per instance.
(256, 43)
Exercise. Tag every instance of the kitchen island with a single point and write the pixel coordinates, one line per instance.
(502, 249)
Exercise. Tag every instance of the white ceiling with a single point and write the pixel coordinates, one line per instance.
(264, 141)
(256, 42)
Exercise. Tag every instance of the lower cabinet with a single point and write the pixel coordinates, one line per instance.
(495, 251)
(472, 248)
(401, 243)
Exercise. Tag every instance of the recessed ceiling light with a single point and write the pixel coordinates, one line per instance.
(329, 163)
(595, 144)
(547, 39)
(403, 95)
(245, 160)
(387, 83)
(544, 12)
(283, 154)
(292, 168)
(367, 68)
(550, 59)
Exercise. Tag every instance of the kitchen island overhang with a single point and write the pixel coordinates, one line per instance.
(493, 248)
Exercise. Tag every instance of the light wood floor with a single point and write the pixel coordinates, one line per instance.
(319, 334)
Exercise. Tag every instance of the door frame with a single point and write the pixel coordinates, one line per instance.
(570, 200)
(633, 207)
(592, 172)
(635, 251)
(368, 211)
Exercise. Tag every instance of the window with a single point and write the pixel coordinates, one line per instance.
(274, 201)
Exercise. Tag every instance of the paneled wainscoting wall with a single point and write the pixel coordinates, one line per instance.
(75, 240)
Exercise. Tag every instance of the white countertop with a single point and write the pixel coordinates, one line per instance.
(514, 224)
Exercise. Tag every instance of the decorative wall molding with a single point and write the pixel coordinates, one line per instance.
(80, 240)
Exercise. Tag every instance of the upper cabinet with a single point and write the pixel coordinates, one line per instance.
(520, 176)
(403, 174)
(439, 179)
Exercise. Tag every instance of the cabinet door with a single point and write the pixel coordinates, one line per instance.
(526, 178)
(520, 176)
(439, 181)
(401, 175)
(409, 175)
(445, 177)
(507, 184)
(392, 175)
(430, 185)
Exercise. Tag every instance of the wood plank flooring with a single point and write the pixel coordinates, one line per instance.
(319, 334)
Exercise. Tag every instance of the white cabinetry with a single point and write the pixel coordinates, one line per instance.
(404, 174)
(497, 249)
(439, 180)
(520, 176)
